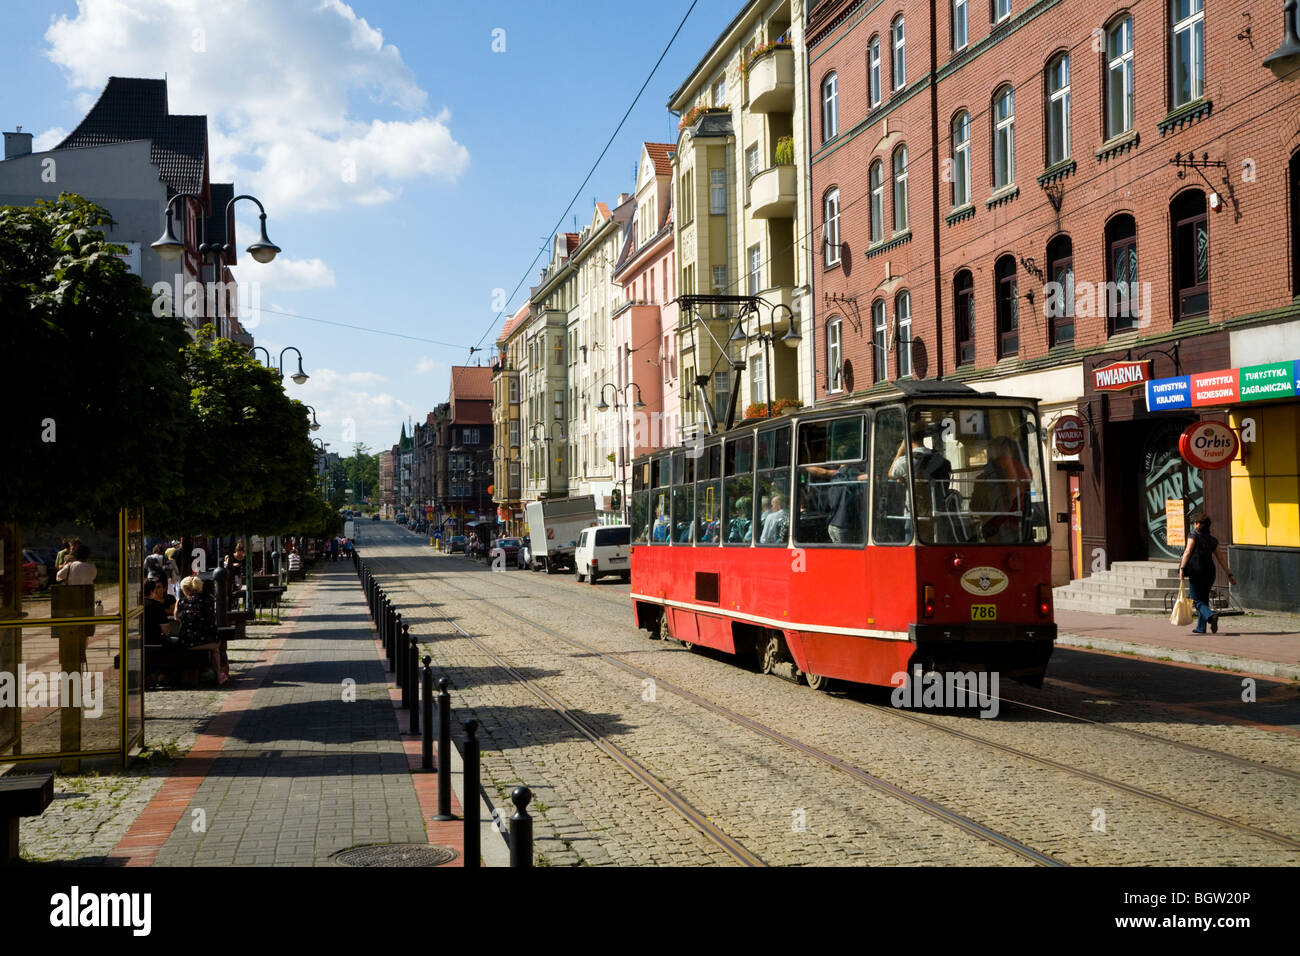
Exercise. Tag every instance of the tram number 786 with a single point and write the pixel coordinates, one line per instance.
(983, 612)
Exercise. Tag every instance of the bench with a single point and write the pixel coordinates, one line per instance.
(175, 661)
(22, 796)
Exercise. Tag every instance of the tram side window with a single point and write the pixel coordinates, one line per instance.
(708, 495)
(738, 488)
(683, 498)
(772, 503)
(660, 501)
(640, 510)
(833, 482)
(891, 501)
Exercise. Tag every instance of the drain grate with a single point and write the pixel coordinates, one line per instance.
(395, 854)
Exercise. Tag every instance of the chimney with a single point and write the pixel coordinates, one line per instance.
(18, 144)
(623, 197)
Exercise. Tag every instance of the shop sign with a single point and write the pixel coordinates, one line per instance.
(1274, 380)
(1214, 388)
(1175, 526)
(1208, 444)
(1118, 376)
(1068, 435)
(1164, 394)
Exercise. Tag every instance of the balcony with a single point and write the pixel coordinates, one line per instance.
(772, 193)
(771, 82)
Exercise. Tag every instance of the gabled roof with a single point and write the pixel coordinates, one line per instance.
(513, 322)
(470, 382)
(131, 108)
(602, 210)
(659, 154)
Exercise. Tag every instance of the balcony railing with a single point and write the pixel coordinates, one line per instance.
(771, 82)
(772, 193)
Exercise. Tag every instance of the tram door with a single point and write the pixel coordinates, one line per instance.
(1166, 475)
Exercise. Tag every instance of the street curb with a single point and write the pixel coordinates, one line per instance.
(1240, 665)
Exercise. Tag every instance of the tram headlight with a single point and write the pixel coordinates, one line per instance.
(927, 601)
(1044, 600)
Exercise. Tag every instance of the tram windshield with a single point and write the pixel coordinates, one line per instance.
(977, 475)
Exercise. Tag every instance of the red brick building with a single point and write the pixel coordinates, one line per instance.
(1004, 198)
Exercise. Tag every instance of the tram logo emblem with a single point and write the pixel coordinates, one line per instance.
(984, 581)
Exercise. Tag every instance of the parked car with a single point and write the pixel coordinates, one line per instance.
(604, 550)
(375, 516)
(456, 544)
(35, 575)
(507, 548)
(400, 518)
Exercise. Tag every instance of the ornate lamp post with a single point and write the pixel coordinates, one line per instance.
(619, 405)
(546, 437)
(299, 376)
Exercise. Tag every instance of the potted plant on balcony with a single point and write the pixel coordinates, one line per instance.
(762, 50)
(784, 154)
(696, 112)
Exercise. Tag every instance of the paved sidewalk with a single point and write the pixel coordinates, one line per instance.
(1263, 643)
(306, 761)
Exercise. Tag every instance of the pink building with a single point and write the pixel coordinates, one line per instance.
(644, 343)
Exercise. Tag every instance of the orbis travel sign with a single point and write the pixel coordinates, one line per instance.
(1208, 444)
(1118, 376)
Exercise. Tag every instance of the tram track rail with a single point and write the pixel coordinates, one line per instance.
(924, 804)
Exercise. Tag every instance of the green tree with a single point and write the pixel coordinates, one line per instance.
(96, 422)
(362, 473)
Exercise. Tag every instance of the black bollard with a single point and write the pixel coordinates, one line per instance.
(426, 758)
(388, 632)
(472, 823)
(399, 664)
(521, 828)
(413, 679)
(444, 751)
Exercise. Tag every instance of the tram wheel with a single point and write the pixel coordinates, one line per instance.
(663, 634)
(817, 681)
(769, 655)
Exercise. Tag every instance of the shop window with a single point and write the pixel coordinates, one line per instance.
(1191, 254)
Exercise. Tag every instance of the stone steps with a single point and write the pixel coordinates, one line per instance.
(1128, 587)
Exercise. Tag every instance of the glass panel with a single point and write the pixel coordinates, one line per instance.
(683, 513)
(833, 482)
(661, 523)
(709, 513)
(891, 523)
(739, 489)
(638, 516)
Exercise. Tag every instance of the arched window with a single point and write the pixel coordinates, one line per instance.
(1187, 47)
(1008, 301)
(963, 298)
(1004, 138)
(960, 159)
(1119, 77)
(877, 201)
(830, 108)
(1058, 299)
(903, 317)
(1190, 254)
(1122, 305)
(900, 52)
(873, 70)
(879, 331)
(831, 225)
(834, 354)
(900, 188)
(1058, 110)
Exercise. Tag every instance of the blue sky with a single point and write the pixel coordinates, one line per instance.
(408, 170)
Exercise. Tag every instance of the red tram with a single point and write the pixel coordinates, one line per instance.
(855, 542)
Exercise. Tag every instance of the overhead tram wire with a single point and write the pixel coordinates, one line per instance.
(591, 172)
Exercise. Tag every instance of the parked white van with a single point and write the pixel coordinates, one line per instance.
(604, 550)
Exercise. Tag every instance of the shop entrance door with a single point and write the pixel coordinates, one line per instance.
(1166, 475)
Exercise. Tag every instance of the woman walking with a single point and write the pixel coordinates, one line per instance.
(1197, 566)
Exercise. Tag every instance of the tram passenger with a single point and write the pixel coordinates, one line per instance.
(776, 522)
(1001, 492)
(931, 473)
(843, 499)
(738, 529)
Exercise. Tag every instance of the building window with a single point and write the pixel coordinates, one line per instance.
(755, 269)
(1008, 307)
(758, 378)
(960, 159)
(1004, 138)
(514, 390)
(1119, 78)
(1058, 110)
(559, 404)
(1121, 273)
(831, 226)
(717, 192)
(720, 92)
(751, 168)
(879, 341)
(1191, 254)
(877, 201)
(903, 317)
(963, 297)
(834, 355)
(958, 24)
(873, 71)
(469, 436)
(719, 280)
(1001, 10)
(1059, 298)
(900, 52)
(900, 189)
(1294, 181)
(688, 196)
(514, 433)
(830, 108)
(1188, 49)
(721, 394)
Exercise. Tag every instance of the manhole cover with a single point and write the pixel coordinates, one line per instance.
(395, 854)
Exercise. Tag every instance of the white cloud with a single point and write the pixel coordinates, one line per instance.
(281, 274)
(425, 364)
(348, 410)
(49, 139)
(279, 83)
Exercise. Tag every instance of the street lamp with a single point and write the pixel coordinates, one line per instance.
(622, 453)
(1285, 60)
(315, 425)
(792, 338)
(170, 248)
(546, 437)
(299, 376)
